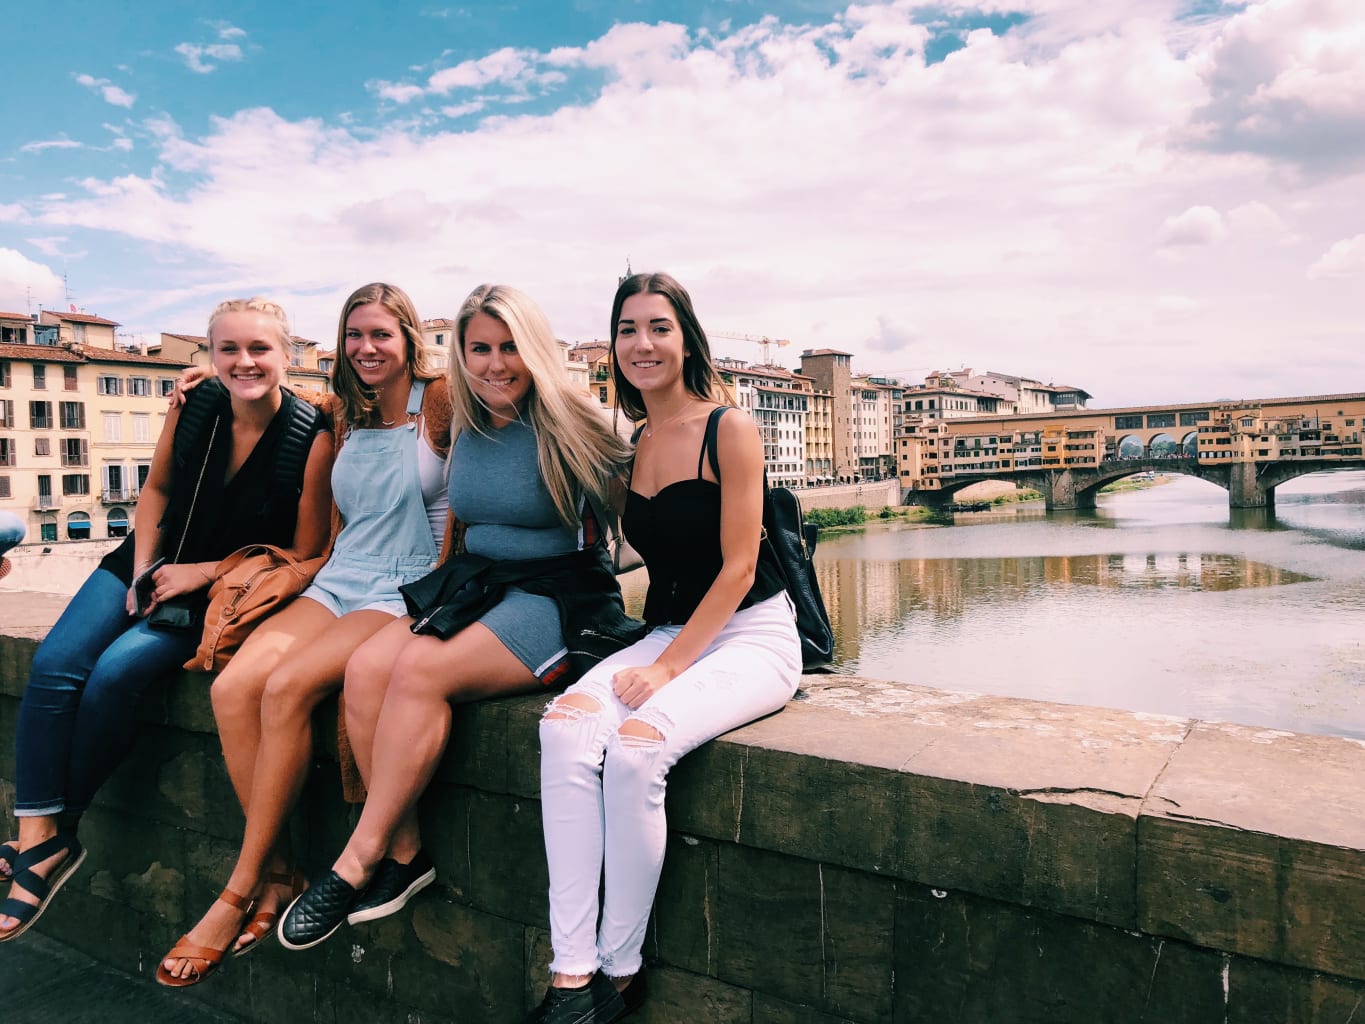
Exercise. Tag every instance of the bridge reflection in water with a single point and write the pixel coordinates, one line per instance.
(1162, 601)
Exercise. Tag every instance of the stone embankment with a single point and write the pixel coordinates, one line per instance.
(874, 853)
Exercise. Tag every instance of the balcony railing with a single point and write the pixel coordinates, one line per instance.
(117, 495)
(46, 501)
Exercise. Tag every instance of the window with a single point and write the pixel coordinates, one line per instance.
(47, 532)
(6, 380)
(73, 415)
(40, 415)
(75, 452)
(42, 446)
(1128, 422)
(4, 487)
(1189, 419)
(142, 428)
(14, 335)
(165, 386)
(108, 384)
(440, 339)
(1161, 419)
(6, 412)
(39, 377)
(78, 333)
(8, 452)
(143, 470)
(113, 426)
(69, 378)
(75, 483)
(78, 526)
(141, 386)
(115, 483)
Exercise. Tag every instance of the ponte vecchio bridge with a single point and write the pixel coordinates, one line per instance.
(1248, 448)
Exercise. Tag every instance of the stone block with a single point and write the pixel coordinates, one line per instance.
(1260, 992)
(1253, 841)
(473, 961)
(681, 995)
(806, 932)
(962, 958)
(16, 658)
(507, 870)
(523, 744)
(768, 1010)
(444, 816)
(9, 729)
(683, 931)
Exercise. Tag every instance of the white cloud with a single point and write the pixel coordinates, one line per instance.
(60, 142)
(1199, 225)
(397, 92)
(112, 93)
(22, 280)
(48, 246)
(198, 58)
(815, 182)
(1345, 258)
(228, 31)
(11, 213)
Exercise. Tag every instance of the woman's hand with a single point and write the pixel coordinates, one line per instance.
(187, 381)
(175, 580)
(131, 601)
(634, 686)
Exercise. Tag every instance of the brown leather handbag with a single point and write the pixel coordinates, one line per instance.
(250, 585)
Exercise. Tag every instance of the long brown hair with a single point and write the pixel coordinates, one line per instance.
(359, 404)
(699, 373)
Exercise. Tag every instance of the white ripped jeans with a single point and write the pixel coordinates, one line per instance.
(602, 794)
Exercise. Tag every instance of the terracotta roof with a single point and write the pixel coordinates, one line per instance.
(117, 355)
(77, 318)
(197, 339)
(440, 321)
(826, 352)
(39, 353)
(16, 316)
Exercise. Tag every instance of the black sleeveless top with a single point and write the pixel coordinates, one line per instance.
(248, 509)
(677, 533)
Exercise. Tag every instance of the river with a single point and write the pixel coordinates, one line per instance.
(1161, 601)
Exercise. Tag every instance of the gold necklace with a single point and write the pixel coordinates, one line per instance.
(650, 428)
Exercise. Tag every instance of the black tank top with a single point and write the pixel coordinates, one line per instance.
(677, 533)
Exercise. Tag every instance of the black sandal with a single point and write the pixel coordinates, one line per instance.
(26, 878)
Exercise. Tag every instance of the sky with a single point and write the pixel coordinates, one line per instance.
(1154, 200)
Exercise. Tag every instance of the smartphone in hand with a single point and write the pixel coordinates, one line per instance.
(144, 585)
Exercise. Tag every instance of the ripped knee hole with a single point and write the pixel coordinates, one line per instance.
(572, 707)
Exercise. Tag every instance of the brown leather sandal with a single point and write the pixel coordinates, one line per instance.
(263, 925)
(211, 958)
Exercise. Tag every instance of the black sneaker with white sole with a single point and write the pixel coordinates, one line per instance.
(391, 886)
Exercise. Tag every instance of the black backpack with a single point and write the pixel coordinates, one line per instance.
(792, 543)
(291, 456)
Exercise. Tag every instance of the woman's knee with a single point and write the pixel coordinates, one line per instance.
(367, 677)
(291, 694)
(236, 692)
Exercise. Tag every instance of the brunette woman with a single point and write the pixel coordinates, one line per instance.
(722, 652)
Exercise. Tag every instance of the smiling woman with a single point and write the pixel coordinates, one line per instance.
(212, 489)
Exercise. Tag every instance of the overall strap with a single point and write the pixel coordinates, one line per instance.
(708, 444)
(415, 393)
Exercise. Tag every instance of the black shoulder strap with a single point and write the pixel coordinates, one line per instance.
(708, 444)
(196, 416)
(291, 455)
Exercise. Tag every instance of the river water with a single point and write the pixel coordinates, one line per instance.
(1161, 600)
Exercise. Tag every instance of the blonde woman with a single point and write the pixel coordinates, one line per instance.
(531, 454)
(212, 488)
(389, 485)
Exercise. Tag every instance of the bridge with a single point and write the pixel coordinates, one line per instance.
(1248, 448)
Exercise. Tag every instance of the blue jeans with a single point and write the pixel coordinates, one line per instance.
(79, 711)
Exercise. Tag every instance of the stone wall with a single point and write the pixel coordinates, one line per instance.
(872, 496)
(874, 853)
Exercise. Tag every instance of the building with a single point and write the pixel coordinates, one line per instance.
(78, 425)
(831, 372)
(1019, 396)
(438, 335)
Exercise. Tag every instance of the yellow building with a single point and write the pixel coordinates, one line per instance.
(78, 425)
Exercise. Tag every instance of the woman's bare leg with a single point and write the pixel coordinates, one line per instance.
(367, 681)
(411, 735)
(301, 680)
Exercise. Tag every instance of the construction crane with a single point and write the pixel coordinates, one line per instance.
(761, 339)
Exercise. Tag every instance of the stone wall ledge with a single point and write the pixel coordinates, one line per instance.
(875, 852)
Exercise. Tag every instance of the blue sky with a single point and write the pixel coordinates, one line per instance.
(1151, 199)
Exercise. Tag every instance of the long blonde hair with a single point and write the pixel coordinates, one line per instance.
(576, 445)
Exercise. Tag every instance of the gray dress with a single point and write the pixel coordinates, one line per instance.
(497, 491)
